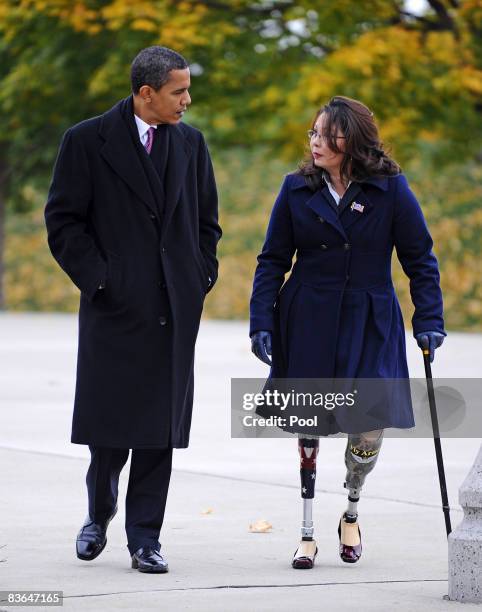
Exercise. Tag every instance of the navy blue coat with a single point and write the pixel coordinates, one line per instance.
(337, 315)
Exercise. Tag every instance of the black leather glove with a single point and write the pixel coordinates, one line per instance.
(430, 340)
(261, 345)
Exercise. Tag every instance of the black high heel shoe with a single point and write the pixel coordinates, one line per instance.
(304, 557)
(350, 546)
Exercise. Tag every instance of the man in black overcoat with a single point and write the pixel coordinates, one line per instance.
(132, 218)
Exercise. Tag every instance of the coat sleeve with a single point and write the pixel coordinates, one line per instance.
(66, 217)
(274, 261)
(209, 229)
(414, 244)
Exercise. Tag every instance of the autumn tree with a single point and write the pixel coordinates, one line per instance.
(259, 69)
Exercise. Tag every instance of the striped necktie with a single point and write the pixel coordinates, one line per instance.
(150, 138)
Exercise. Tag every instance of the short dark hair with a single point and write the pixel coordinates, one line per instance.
(152, 66)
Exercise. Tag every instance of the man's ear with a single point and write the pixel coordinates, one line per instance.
(145, 93)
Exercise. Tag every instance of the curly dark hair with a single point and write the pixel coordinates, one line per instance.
(363, 155)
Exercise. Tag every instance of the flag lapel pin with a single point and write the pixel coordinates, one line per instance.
(357, 207)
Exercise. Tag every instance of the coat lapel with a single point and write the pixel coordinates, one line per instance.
(120, 153)
(350, 214)
(177, 164)
(152, 164)
(353, 215)
(321, 203)
(343, 216)
(348, 197)
(359, 195)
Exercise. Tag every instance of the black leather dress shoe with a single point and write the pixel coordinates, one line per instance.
(150, 561)
(92, 538)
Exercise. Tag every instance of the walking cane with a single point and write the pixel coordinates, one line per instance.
(436, 439)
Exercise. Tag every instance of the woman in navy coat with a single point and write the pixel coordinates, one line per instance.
(337, 316)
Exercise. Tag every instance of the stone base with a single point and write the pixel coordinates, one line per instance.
(465, 542)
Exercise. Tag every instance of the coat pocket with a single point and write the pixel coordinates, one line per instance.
(203, 273)
(110, 297)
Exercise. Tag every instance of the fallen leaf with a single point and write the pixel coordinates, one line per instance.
(260, 526)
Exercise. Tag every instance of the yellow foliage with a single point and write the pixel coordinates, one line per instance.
(223, 121)
(273, 94)
(121, 12)
(470, 78)
(144, 24)
(248, 186)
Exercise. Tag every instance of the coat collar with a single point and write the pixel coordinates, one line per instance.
(177, 164)
(340, 217)
(299, 182)
(377, 181)
(120, 153)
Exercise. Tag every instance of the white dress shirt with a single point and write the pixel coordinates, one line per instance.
(143, 128)
(332, 190)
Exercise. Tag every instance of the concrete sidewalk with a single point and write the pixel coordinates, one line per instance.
(216, 564)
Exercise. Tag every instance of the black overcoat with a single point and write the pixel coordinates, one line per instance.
(111, 218)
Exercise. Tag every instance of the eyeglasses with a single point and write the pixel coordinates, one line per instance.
(314, 134)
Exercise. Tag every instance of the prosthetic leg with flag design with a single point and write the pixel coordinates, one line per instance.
(361, 455)
(304, 557)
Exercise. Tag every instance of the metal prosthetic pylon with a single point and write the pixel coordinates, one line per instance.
(304, 557)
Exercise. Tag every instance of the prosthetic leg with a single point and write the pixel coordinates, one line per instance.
(304, 557)
(361, 454)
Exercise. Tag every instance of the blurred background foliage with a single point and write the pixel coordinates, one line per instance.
(260, 69)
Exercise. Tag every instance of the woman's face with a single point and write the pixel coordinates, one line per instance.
(323, 156)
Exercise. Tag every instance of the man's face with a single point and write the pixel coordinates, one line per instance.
(171, 101)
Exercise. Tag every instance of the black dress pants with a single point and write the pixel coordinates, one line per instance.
(149, 476)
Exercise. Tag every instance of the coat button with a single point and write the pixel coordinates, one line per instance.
(346, 246)
(162, 320)
(163, 249)
(321, 220)
(152, 216)
(347, 277)
(324, 247)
